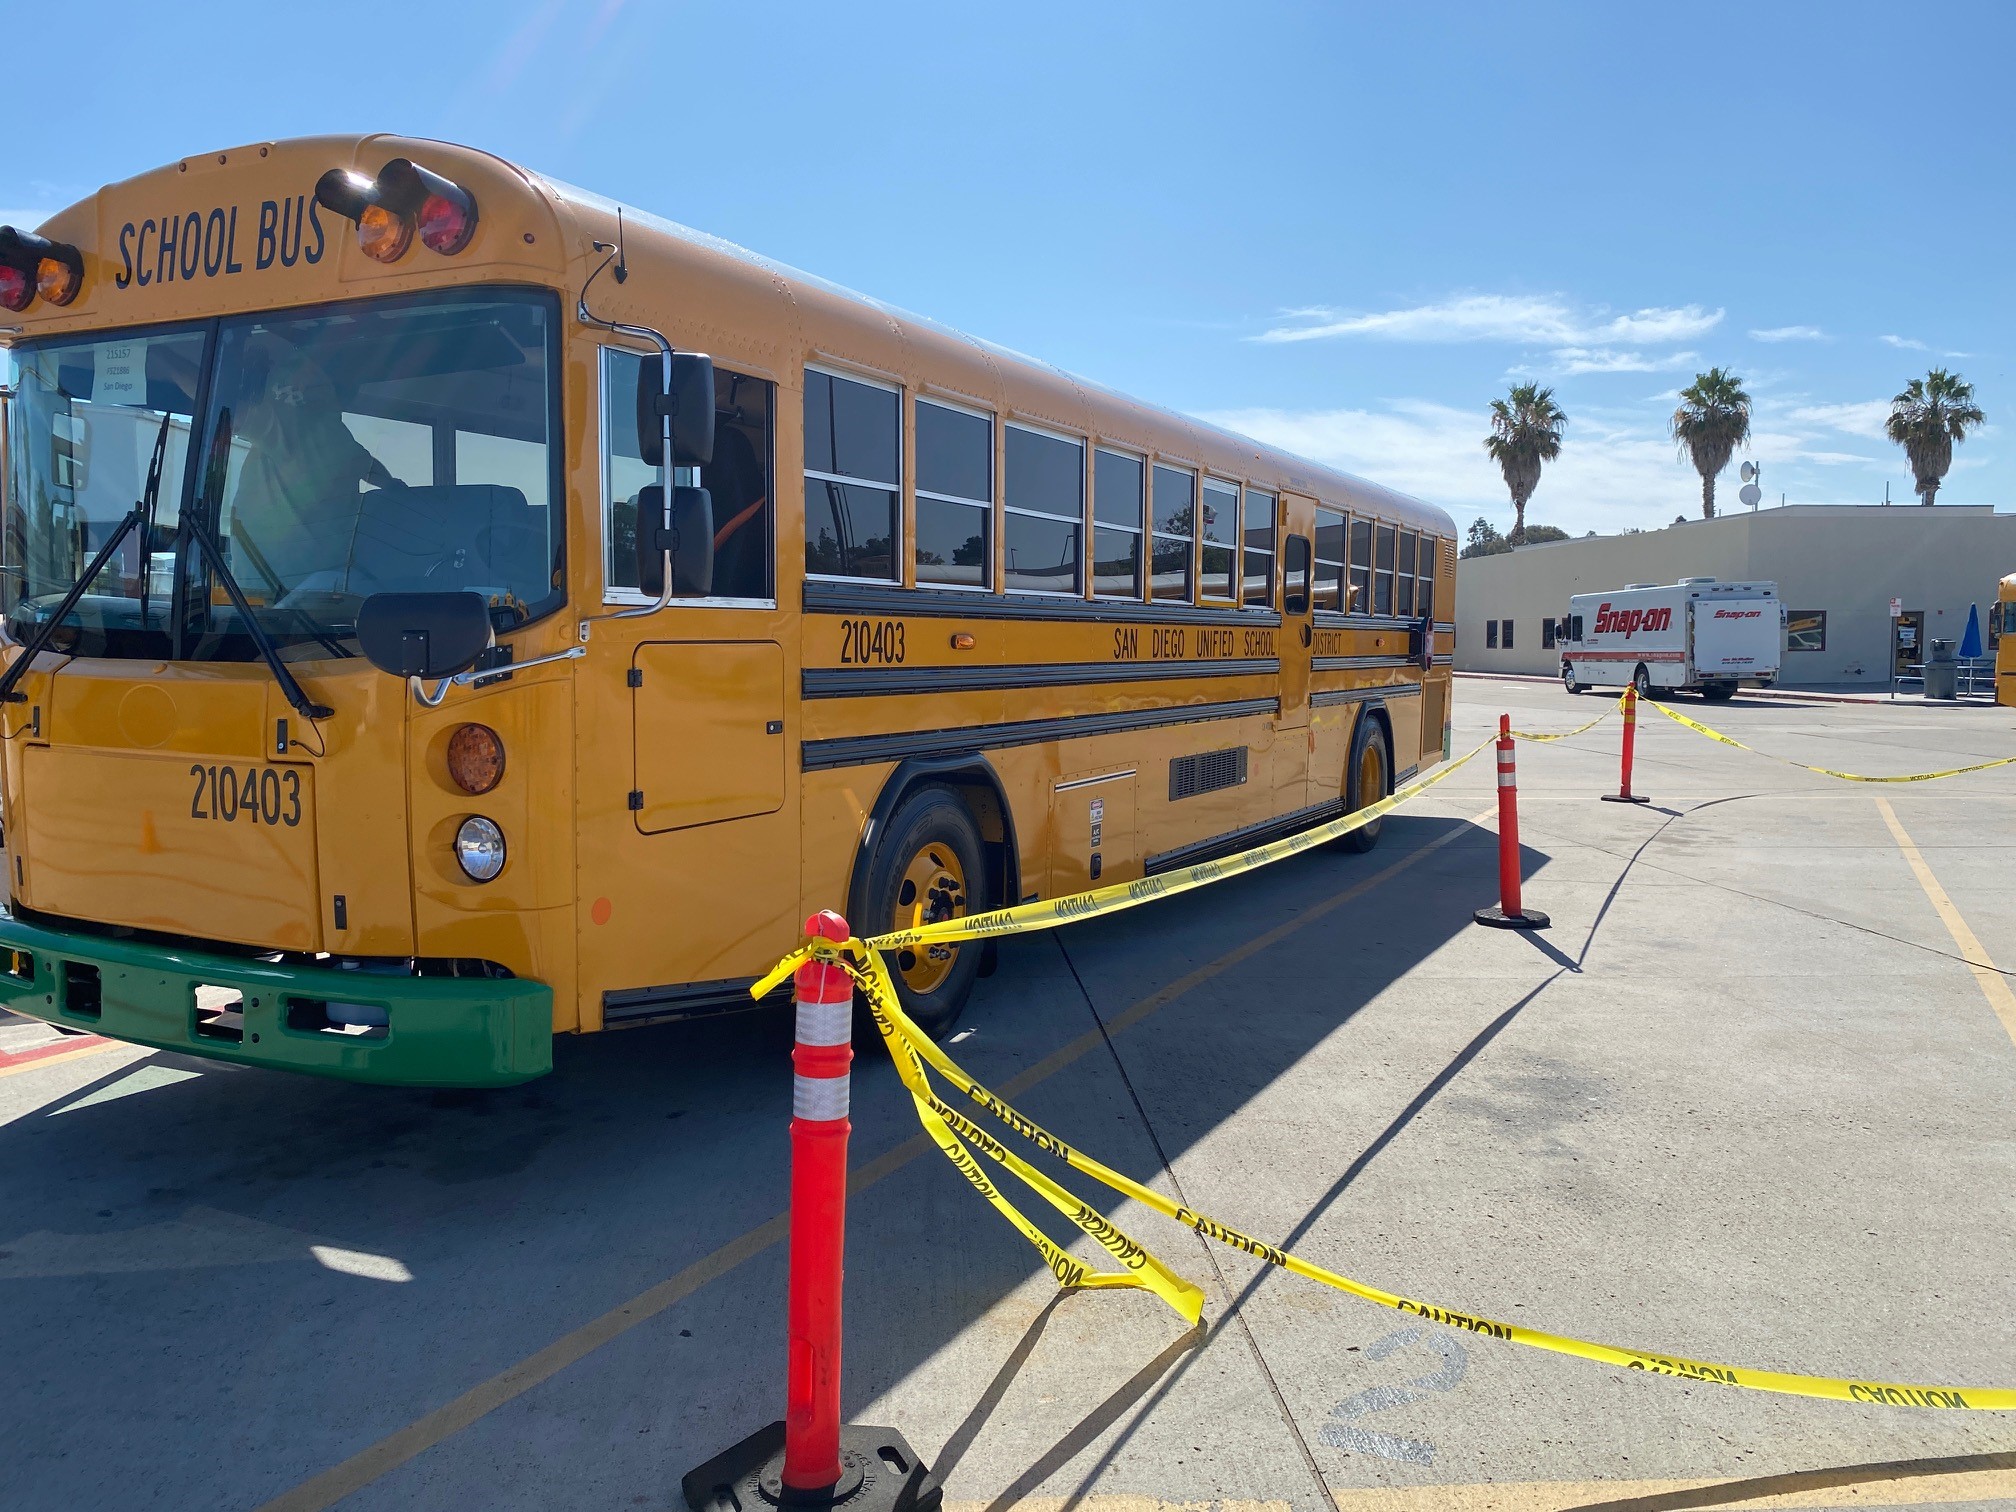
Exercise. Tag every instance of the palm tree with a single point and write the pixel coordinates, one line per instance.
(1926, 419)
(1712, 421)
(1525, 433)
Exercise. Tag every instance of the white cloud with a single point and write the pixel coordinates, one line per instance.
(1571, 362)
(1863, 418)
(1790, 333)
(1536, 320)
(1908, 343)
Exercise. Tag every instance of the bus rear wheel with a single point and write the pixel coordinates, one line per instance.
(927, 868)
(1368, 779)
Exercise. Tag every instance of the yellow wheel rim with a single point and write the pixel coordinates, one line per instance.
(933, 889)
(1371, 776)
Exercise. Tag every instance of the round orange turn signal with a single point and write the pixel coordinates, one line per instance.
(475, 758)
(383, 235)
(57, 281)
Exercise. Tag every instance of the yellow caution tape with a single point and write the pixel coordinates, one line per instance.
(1570, 734)
(1121, 895)
(1729, 740)
(909, 1046)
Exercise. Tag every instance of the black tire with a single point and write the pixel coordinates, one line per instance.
(1719, 692)
(1568, 680)
(1642, 680)
(1368, 739)
(931, 824)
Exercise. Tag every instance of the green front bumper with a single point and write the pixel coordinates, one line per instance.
(441, 1031)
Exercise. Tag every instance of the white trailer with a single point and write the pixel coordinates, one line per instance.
(1697, 636)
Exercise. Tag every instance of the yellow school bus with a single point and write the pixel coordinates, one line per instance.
(445, 610)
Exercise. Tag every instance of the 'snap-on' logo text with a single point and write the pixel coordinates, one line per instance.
(1630, 621)
(1739, 614)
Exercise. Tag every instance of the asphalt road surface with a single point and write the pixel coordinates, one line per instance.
(1745, 1101)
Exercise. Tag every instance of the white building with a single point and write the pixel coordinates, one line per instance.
(1837, 567)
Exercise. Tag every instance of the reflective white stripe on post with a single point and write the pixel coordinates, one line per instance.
(826, 1023)
(820, 1098)
(1506, 779)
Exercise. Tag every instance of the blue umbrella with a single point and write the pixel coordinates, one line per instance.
(1970, 643)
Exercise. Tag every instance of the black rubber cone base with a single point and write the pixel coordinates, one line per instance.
(1497, 918)
(1624, 798)
(879, 1472)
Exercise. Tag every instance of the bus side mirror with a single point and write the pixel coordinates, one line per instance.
(690, 539)
(690, 404)
(423, 634)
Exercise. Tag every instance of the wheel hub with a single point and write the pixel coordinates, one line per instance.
(932, 890)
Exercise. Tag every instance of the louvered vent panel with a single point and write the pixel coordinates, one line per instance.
(1207, 772)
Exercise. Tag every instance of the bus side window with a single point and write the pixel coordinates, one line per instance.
(1295, 576)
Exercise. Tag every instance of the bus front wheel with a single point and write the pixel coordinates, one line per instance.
(927, 868)
(1368, 779)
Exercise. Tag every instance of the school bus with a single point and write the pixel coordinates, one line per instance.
(446, 610)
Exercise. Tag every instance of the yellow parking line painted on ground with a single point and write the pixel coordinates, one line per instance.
(66, 1057)
(389, 1453)
(1994, 985)
(1911, 1483)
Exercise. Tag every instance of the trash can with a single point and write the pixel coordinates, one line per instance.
(1941, 672)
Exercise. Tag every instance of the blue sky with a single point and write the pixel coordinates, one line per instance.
(1342, 228)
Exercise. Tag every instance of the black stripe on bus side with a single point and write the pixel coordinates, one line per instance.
(1329, 697)
(941, 603)
(862, 750)
(864, 682)
(1356, 663)
(1233, 841)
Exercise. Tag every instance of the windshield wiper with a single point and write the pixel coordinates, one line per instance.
(213, 490)
(139, 516)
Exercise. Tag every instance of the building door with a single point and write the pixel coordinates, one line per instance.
(1907, 639)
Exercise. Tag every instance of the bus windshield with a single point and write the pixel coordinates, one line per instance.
(398, 445)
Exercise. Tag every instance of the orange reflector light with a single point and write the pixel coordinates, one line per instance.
(383, 235)
(475, 758)
(58, 281)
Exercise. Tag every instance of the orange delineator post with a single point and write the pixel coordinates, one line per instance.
(1509, 912)
(1624, 793)
(810, 1459)
(820, 1063)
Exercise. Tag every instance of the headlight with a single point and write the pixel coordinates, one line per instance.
(479, 848)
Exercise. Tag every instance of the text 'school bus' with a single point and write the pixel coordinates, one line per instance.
(417, 650)
(1696, 636)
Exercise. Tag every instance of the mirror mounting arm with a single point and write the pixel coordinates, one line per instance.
(642, 333)
(463, 679)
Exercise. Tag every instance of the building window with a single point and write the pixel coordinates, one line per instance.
(1045, 518)
(1382, 576)
(1403, 581)
(1218, 542)
(1546, 635)
(1117, 486)
(1360, 601)
(1806, 630)
(853, 477)
(1257, 571)
(1424, 581)
(738, 479)
(955, 496)
(1490, 635)
(1175, 524)
(1505, 635)
(1330, 529)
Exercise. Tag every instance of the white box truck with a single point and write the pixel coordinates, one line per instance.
(1697, 636)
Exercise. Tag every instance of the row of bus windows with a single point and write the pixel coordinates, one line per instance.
(1156, 531)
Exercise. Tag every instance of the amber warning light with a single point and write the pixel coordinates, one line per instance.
(32, 265)
(404, 199)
